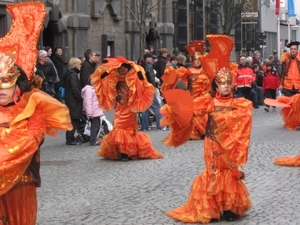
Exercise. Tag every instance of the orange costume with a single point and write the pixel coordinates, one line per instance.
(290, 78)
(199, 84)
(128, 95)
(290, 111)
(25, 121)
(219, 188)
(171, 77)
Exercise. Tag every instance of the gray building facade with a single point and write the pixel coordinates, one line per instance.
(106, 26)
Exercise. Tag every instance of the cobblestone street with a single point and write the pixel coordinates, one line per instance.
(80, 188)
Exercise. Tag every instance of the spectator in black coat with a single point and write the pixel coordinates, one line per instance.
(87, 67)
(58, 61)
(73, 98)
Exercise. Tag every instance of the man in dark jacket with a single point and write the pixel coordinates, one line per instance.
(150, 74)
(87, 67)
(59, 65)
(161, 63)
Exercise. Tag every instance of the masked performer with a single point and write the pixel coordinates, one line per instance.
(218, 190)
(27, 115)
(122, 85)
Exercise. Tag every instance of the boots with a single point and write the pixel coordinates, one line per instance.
(230, 216)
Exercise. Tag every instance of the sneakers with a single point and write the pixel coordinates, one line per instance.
(274, 109)
(148, 129)
(98, 142)
(163, 129)
(266, 109)
(73, 143)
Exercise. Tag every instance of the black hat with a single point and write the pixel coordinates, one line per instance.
(293, 43)
(97, 53)
(148, 55)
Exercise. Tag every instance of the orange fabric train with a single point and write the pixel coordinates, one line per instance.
(219, 187)
(18, 145)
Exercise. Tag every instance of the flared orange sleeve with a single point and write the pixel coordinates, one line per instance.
(179, 135)
(35, 115)
(290, 115)
(105, 88)
(184, 74)
(170, 78)
(233, 132)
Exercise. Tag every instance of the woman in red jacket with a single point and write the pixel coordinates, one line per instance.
(270, 83)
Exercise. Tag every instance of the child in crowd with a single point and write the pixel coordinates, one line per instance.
(93, 111)
(270, 83)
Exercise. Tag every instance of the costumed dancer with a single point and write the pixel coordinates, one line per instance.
(122, 85)
(290, 77)
(219, 189)
(289, 86)
(27, 115)
(199, 84)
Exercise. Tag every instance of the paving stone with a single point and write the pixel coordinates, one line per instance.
(80, 188)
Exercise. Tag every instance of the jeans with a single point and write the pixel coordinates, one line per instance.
(145, 115)
(249, 94)
(95, 127)
(260, 95)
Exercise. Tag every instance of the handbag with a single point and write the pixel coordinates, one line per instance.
(87, 128)
(46, 87)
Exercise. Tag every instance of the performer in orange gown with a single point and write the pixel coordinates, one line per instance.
(26, 116)
(121, 85)
(218, 190)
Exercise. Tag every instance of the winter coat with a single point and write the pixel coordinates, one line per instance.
(87, 69)
(245, 77)
(160, 66)
(59, 65)
(90, 102)
(73, 97)
(149, 72)
(271, 80)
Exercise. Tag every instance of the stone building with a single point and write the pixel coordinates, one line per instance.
(104, 25)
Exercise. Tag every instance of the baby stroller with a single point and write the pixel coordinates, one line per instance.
(80, 136)
(105, 128)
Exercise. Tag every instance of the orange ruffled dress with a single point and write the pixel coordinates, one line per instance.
(17, 144)
(219, 187)
(125, 137)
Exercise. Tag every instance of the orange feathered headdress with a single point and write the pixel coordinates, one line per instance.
(218, 56)
(20, 42)
(195, 48)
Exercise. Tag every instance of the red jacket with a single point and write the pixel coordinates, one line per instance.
(245, 77)
(271, 80)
